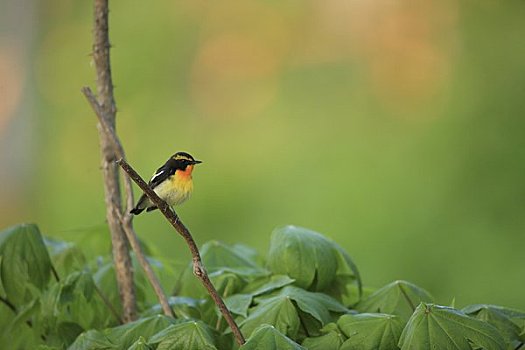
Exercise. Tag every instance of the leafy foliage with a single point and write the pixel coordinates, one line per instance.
(307, 294)
(433, 326)
(398, 298)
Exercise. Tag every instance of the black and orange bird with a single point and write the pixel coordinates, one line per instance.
(172, 182)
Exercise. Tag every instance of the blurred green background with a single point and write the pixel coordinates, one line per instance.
(395, 128)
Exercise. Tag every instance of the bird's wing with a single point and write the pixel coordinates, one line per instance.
(160, 175)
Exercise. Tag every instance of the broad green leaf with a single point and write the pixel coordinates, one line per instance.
(347, 286)
(370, 331)
(23, 315)
(318, 305)
(189, 335)
(304, 255)
(248, 253)
(124, 336)
(66, 256)
(440, 327)
(15, 333)
(24, 260)
(310, 326)
(515, 315)
(266, 337)
(140, 344)
(92, 340)
(66, 333)
(499, 317)
(74, 300)
(397, 298)
(239, 304)
(267, 284)
(331, 338)
(278, 311)
(238, 259)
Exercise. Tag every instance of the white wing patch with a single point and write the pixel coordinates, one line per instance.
(157, 174)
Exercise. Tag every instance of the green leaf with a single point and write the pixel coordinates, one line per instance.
(331, 338)
(23, 315)
(217, 256)
(347, 286)
(267, 284)
(74, 300)
(65, 256)
(397, 298)
(304, 255)
(239, 304)
(15, 333)
(140, 344)
(190, 335)
(124, 336)
(92, 340)
(267, 337)
(278, 311)
(24, 260)
(440, 327)
(499, 317)
(66, 332)
(318, 305)
(370, 331)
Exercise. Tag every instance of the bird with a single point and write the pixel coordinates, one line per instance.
(172, 182)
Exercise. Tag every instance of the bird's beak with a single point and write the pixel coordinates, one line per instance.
(196, 162)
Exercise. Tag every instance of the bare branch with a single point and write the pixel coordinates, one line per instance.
(198, 267)
(106, 105)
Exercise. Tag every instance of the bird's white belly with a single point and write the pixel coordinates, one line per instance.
(174, 191)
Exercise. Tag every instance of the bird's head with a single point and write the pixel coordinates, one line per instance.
(184, 162)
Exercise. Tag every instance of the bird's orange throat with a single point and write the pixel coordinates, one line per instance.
(186, 174)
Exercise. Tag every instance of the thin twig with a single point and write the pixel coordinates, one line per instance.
(198, 267)
(106, 104)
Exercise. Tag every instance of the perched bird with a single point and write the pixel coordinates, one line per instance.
(172, 182)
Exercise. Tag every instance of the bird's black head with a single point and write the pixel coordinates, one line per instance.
(183, 159)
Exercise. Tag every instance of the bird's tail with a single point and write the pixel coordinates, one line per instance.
(136, 211)
(141, 205)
